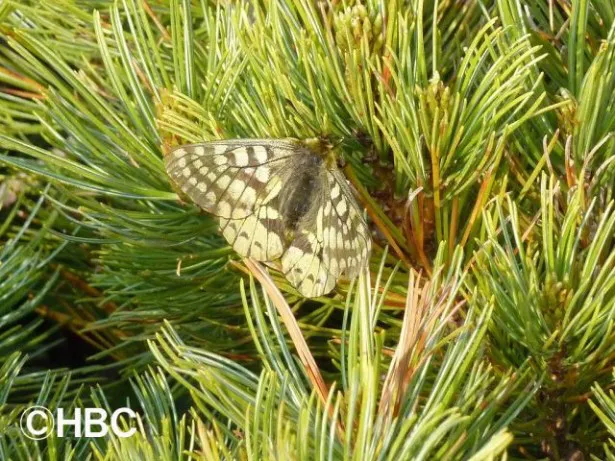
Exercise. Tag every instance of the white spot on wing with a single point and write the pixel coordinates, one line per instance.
(249, 195)
(272, 213)
(260, 154)
(224, 181)
(341, 207)
(236, 188)
(262, 174)
(274, 243)
(335, 191)
(293, 254)
(319, 222)
(224, 209)
(241, 157)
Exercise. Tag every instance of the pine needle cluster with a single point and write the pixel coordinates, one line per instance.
(478, 135)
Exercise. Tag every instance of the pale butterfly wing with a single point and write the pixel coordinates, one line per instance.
(332, 240)
(259, 235)
(230, 179)
(347, 237)
(276, 199)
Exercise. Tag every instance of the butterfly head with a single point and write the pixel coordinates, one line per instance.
(326, 149)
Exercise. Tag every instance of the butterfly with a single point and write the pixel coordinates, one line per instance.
(281, 200)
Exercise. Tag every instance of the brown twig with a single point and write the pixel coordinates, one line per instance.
(161, 28)
(83, 286)
(415, 230)
(480, 200)
(21, 93)
(26, 80)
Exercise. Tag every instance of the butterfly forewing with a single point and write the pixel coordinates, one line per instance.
(229, 180)
(277, 199)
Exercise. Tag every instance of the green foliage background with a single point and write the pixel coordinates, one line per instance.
(479, 135)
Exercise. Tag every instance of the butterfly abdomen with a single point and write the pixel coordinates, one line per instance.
(297, 196)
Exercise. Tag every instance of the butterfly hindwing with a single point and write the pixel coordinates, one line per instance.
(345, 233)
(259, 235)
(332, 239)
(304, 267)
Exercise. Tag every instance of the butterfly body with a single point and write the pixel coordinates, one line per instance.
(278, 199)
(297, 195)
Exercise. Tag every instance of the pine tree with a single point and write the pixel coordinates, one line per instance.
(478, 136)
